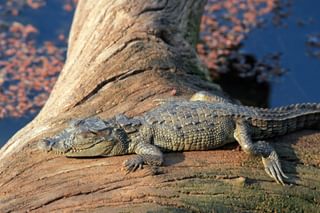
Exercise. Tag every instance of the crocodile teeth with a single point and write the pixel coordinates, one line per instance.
(76, 150)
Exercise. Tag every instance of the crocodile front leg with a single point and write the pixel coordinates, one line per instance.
(146, 154)
(269, 156)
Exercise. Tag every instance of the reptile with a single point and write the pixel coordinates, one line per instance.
(204, 122)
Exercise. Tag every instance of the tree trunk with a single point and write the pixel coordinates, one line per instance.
(122, 55)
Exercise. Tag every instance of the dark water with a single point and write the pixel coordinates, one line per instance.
(10, 126)
(299, 84)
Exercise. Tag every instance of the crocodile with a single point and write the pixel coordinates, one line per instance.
(204, 122)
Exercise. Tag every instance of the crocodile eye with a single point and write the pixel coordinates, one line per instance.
(92, 132)
(87, 135)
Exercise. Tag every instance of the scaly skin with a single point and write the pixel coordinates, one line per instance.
(206, 122)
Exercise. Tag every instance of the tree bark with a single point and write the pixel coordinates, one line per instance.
(122, 55)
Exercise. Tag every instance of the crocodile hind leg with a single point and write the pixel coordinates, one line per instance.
(269, 156)
(212, 98)
(201, 96)
(146, 154)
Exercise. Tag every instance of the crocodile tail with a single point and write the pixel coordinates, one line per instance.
(282, 120)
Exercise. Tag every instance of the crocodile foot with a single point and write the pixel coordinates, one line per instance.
(133, 164)
(272, 167)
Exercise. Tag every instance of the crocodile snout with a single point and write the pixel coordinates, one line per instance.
(45, 145)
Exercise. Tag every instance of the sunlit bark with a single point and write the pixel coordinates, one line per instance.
(121, 56)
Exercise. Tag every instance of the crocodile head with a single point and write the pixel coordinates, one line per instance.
(85, 138)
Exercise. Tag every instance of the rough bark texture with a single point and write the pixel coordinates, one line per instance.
(123, 54)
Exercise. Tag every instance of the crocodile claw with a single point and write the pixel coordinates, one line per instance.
(133, 164)
(272, 167)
